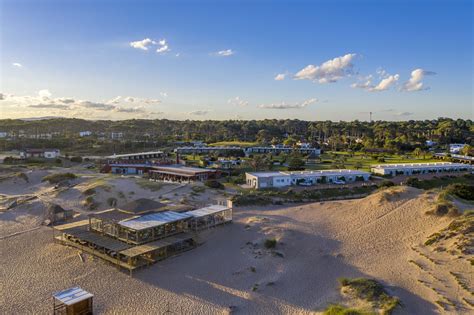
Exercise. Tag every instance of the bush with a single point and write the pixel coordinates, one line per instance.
(270, 243)
(462, 191)
(386, 183)
(335, 309)
(89, 191)
(76, 159)
(214, 184)
(372, 291)
(413, 182)
(59, 177)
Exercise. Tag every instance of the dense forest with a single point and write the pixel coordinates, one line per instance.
(356, 135)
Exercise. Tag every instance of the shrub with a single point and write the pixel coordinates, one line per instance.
(462, 191)
(372, 291)
(381, 159)
(270, 243)
(335, 309)
(413, 182)
(23, 176)
(214, 184)
(76, 159)
(386, 183)
(58, 161)
(59, 177)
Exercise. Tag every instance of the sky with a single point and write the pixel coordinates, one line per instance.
(309, 60)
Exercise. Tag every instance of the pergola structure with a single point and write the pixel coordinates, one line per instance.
(73, 301)
(209, 216)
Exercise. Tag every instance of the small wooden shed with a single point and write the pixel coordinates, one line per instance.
(73, 301)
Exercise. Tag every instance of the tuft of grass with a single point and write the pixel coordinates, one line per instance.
(89, 192)
(59, 177)
(112, 201)
(270, 243)
(372, 291)
(147, 184)
(23, 176)
(336, 309)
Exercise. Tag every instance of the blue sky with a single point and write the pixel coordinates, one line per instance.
(338, 60)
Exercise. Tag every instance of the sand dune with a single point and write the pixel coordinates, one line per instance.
(378, 237)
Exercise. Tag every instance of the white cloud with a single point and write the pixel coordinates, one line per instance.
(329, 71)
(17, 65)
(404, 114)
(225, 53)
(284, 105)
(49, 106)
(237, 101)
(2, 96)
(280, 77)
(146, 43)
(199, 112)
(163, 94)
(177, 54)
(415, 82)
(44, 94)
(163, 46)
(142, 44)
(131, 99)
(386, 83)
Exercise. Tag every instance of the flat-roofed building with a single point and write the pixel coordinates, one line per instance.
(281, 179)
(181, 173)
(418, 168)
(137, 156)
(282, 149)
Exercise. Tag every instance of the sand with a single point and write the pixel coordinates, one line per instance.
(373, 237)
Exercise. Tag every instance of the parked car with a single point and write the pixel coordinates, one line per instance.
(306, 184)
(339, 182)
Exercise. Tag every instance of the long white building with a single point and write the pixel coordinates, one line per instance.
(418, 168)
(281, 179)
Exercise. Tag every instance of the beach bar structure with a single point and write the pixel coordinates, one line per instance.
(419, 168)
(209, 216)
(132, 240)
(180, 173)
(282, 179)
(73, 301)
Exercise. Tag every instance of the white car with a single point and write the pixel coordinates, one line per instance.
(339, 182)
(306, 184)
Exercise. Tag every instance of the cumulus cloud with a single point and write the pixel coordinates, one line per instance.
(404, 114)
(131, 99)
(163, 94)
(17, 65)
(2, 96)
(225, 53)
(50, 106)
(142, 44)
(415, 82)
(329, 71)
(284, 105)
(237, 101)
(163, 47)
(95, 105)
(145, 44)
(199, 112)
(385, 83)
(280, 77)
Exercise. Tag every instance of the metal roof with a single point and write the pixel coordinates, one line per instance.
(72, 295)
(207, 211)
(296, 174)
(154, 219)
(133, 154)
(420, 165)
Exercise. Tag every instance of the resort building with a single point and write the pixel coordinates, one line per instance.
(137, 156)
(305, 178)
(418, 168)
(136, 238)
(455, 157)
(282, 149)
(227, 150)
(40, 153)
(181, 173)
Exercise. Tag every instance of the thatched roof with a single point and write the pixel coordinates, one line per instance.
(141, 206)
